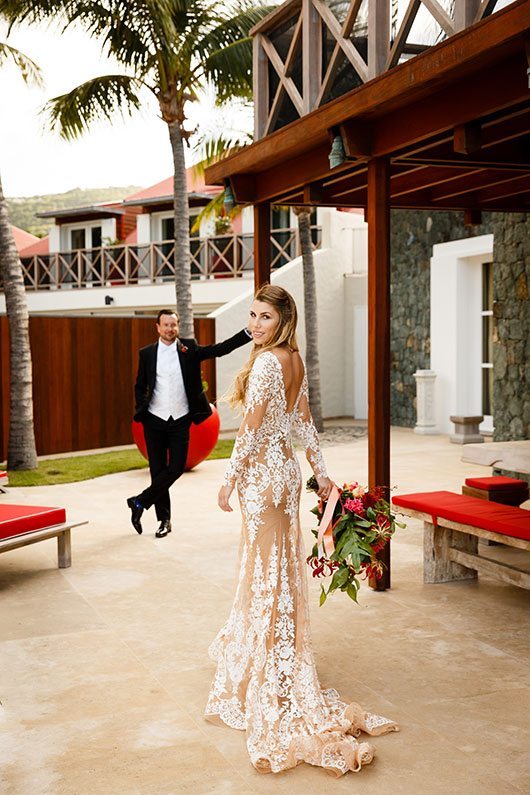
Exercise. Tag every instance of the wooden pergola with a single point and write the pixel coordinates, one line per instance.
(448, 129)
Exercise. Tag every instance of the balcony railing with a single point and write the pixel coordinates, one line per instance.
(219, 257)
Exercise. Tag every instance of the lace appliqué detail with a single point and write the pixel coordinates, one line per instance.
(266, 681)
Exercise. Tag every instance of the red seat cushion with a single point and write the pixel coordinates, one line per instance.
(15, 520)
(493, 516)
(499, 483)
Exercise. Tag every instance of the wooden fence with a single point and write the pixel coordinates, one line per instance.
(84, 369)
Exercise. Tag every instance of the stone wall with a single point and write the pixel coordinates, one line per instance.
(412, 237)
(511, 308)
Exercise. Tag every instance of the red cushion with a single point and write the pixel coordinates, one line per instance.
(15, 520)
(493, 516)
(499, 483)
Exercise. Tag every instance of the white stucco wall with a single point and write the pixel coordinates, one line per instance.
(456, 326)
(341, 284)
(206, 295)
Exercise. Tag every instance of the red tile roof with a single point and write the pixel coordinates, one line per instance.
(23, 239)
(165, 188)
(41, 246)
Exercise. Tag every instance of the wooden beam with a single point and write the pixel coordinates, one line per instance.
(262, 244)
(440, 15)
(379, 335)
(356, 136)
(461, 58)
(472, 217)
(466, 138)
(468, 183)
(462, 102)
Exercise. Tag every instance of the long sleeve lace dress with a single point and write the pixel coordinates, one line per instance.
(266, 682)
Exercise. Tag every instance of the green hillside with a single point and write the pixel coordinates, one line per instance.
(22, 209)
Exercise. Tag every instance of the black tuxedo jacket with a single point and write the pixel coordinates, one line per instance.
(190, 354)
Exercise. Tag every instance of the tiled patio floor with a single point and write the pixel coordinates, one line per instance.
(104, 671)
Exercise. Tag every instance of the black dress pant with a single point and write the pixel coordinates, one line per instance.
(167, 448)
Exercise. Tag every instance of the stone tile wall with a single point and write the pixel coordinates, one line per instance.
(511, 346)
(413, 235)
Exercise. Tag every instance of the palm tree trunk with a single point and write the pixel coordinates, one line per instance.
(181, 233)
(21, 447)
(310, 316)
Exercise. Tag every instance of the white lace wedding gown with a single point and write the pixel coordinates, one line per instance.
(266, 681)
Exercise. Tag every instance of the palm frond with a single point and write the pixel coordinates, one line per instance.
(210, 149)
(71, 114)
(226, 28)
(28, 69)
(230, 71)
(17, 11)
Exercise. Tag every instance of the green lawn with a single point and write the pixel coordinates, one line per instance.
(85, 467)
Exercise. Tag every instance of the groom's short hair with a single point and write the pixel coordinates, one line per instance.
(167, 312)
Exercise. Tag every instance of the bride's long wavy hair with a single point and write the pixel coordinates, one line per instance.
(284, 334)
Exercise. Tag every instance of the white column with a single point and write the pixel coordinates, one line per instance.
(425, 403)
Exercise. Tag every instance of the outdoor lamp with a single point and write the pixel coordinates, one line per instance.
(228, 201)
(337, 156)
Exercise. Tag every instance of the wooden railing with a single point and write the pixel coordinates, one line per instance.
(307, 52)
(223, 256)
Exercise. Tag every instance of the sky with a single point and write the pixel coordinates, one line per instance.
(130, 151)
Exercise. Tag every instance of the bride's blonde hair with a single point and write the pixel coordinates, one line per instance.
(284, 334)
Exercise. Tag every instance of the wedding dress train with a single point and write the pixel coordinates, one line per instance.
(266, 682)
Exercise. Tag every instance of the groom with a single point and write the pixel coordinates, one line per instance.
(169, 396)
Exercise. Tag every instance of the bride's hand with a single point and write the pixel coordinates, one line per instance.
(324, 488)
(224, 497)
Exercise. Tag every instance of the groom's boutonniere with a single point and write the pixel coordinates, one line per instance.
(183, 348)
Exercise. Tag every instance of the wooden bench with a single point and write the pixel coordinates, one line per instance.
(453, 524)
(21, 525)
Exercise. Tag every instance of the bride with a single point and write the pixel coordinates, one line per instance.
(266, 682)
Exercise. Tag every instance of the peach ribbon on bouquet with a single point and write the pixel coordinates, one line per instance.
(325, 531)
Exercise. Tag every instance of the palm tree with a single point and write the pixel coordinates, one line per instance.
(172, 48)
(310, 315)
(21, 453)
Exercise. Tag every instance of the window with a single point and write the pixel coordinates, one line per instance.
(487, 339)
(77, 239)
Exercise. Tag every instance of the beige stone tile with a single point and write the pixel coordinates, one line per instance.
(151, 750)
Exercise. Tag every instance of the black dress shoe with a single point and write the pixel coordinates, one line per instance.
(164, 529)
(136, 514)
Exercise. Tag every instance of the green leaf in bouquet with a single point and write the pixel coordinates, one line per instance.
(352, 589)
(323, 595)
(315, 510)
(362, 523)
(339, 578)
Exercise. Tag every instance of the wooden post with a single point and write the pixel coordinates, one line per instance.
(262, 244)
(261, 87)
(379, 336)
(378, 36)
(465, 13)
(311, 55)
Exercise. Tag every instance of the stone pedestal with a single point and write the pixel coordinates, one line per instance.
(466, 430)
(426, 419)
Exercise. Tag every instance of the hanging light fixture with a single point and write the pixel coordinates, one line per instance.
(229, 200)
(337, 156)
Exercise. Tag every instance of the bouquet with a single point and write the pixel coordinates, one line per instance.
(354, 525)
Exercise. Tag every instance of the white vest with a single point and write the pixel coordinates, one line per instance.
(169, 396)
